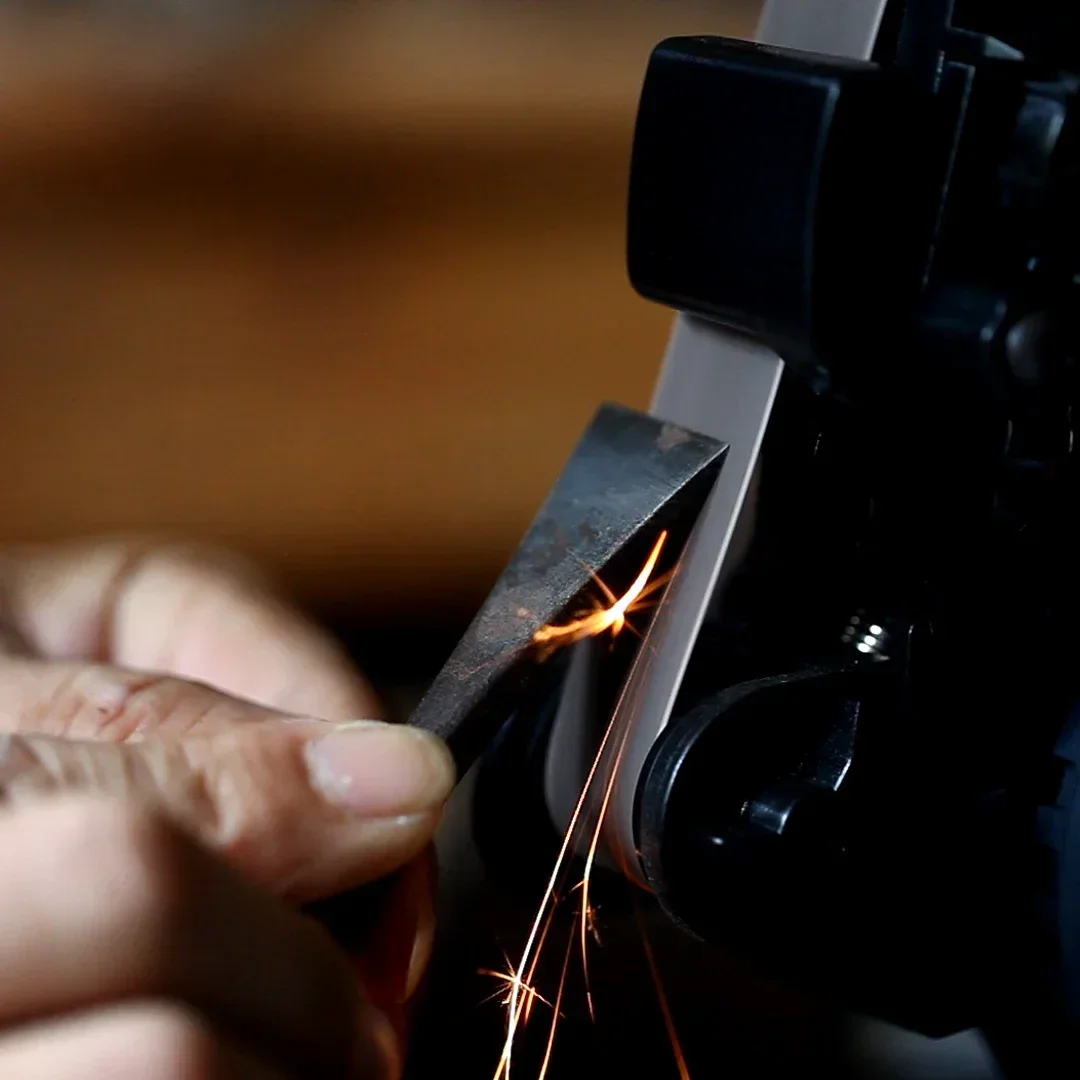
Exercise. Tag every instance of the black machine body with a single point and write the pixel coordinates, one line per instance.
(869, 782)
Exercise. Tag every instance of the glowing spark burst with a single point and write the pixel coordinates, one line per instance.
(612, 617)
(511, 980)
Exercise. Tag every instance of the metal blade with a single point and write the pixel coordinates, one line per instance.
(725, 383)
(630, 476)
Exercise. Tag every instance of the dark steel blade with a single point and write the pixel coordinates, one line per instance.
(630, 477)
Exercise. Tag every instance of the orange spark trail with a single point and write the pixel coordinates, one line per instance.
(591, 858)
(536, 958)
(556, 1011)
(585, 941)
(530, 944)
(665, 1008)
(613, 617)
(598, 581)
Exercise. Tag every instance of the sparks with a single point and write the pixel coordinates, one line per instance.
(586, 877)
(528, 957)
(556, 1011)
(515, 1009)
(520, 994)
(531, 974)
(661, 997)
(612, 617)
(510, 979)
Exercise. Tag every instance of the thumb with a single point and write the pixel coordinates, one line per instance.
(303, 807)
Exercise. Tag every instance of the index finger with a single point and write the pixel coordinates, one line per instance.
(186, 610)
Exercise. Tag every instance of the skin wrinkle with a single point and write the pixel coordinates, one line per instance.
(239, 817)
(246, 831)
(255, 810)
(113, 705)
(71, 765)
(28, 765)
(31, 766)
(199, 798)
(44, 717)
(228, 812)
(210, 704)
(121, 721)
(117, 706)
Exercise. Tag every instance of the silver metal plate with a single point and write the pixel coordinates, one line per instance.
(845, 28)
(716, 381)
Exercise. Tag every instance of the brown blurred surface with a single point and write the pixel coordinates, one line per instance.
(341, 291)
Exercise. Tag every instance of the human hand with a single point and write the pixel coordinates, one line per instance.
(296, 806)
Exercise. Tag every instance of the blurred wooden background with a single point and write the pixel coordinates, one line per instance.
(340, 287)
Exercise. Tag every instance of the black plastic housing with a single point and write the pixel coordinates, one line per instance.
(798, 214)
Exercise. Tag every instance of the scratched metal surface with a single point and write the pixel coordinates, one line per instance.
(630, 476)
